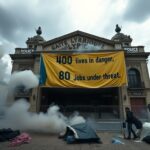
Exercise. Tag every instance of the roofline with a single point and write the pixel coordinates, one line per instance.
(78, 33)
(33, 55)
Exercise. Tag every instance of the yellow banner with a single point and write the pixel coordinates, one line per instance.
(89, 70)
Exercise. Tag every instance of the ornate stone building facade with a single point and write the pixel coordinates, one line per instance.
(102, 103)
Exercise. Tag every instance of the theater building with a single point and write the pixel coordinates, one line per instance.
(100, 102)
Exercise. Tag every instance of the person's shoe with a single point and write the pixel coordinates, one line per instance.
(128, 138)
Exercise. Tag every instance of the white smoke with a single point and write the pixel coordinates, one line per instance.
(23, 78)
(76, 119)
(18, 116)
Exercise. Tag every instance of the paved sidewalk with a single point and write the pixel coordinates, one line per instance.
(52, 142)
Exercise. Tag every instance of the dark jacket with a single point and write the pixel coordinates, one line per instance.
(129, 116)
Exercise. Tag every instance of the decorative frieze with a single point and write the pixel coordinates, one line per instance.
(76, 43)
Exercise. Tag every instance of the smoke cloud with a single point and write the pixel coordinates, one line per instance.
(18, 116)
(21, 81)
(24, 78)
(76, 119)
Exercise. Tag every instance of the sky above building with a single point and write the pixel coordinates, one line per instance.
(19, 20)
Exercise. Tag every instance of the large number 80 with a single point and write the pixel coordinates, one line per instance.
(64, 75)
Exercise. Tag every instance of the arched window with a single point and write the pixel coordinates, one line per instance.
(134, 79)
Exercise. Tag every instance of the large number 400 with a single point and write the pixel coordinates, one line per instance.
(64, 59)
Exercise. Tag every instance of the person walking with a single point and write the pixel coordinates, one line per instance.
(129, 120)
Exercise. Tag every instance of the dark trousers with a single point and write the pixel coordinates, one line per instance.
(130, 130)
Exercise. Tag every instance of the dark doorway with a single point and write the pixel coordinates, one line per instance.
(100, 103)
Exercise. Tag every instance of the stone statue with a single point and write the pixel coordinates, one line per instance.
(118, 29)
(39, 31)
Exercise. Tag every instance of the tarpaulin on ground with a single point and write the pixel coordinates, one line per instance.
(89, 70)
(8, 134)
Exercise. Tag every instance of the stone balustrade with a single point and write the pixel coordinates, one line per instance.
(134, 49)
(24, 51)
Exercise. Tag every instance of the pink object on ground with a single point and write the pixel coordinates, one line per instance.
(21, 139)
